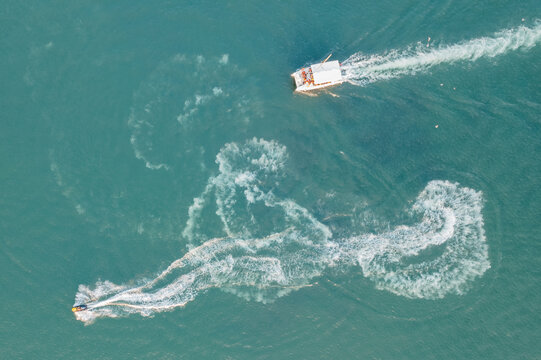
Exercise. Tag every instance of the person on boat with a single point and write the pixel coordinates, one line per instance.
(77, 308)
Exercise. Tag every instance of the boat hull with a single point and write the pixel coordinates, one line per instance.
(318, 76)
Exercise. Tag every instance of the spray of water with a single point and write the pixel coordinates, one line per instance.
(272, 246)
(362, 69)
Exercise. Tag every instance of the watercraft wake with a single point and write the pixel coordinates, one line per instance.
(362, 69)
(272, 245)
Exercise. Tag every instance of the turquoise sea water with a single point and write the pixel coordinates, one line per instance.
(156, 165)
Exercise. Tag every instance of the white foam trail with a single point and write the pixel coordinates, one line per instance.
(139, 155)
(273, 246)
(451, 222)
(164, 104)
(361, 69)
(191, 106)
(67, 190)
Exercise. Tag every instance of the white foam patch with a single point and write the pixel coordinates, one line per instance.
(361, 69)
(273, 245)
(224, 59)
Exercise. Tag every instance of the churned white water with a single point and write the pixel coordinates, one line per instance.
(362, 69)
(259, 264)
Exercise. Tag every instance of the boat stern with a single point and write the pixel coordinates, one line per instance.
(297, 78)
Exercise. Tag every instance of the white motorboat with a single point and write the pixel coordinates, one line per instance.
(318, 76)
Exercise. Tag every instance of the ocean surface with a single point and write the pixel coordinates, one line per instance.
(156, 165)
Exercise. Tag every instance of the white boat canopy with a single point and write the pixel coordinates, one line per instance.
(327, 72)
(318, 76)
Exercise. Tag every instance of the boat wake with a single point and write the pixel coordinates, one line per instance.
(362, 69)
(271, 246)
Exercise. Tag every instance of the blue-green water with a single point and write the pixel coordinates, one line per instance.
(156, 165)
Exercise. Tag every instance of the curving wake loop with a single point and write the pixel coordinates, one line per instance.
(272, 246)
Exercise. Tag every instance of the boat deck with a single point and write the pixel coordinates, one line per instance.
(318, 76)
